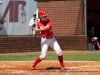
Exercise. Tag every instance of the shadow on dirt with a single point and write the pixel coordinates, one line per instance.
(53, 68)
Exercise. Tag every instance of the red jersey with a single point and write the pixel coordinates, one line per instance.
(45, 33)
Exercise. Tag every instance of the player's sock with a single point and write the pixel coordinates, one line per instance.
(61, 61)
(37, 61)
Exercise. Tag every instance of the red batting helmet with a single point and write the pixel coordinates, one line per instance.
(42, 13)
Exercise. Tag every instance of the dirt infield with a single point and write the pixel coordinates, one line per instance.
(49, 68)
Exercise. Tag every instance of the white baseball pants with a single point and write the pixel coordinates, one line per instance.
(45, 43)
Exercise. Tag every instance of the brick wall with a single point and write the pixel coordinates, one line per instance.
(73, 42)
(16, 44)
(67, 15)
(19, 44)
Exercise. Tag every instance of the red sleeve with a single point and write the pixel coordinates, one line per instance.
(50, 22)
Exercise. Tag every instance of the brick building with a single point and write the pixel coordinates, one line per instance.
(69, 24)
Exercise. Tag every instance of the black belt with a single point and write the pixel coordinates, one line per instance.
(48, 37)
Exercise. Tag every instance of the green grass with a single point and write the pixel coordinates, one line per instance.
(82, 57)
(18, 57)
(67, 57)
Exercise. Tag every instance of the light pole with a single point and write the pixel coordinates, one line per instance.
(85, 17)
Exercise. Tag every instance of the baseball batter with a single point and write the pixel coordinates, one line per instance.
(47, 39)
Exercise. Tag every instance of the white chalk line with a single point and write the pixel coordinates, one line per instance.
(50, 61)
(7, 66)
(83, 67)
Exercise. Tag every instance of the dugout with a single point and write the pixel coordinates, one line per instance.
(93, 15)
